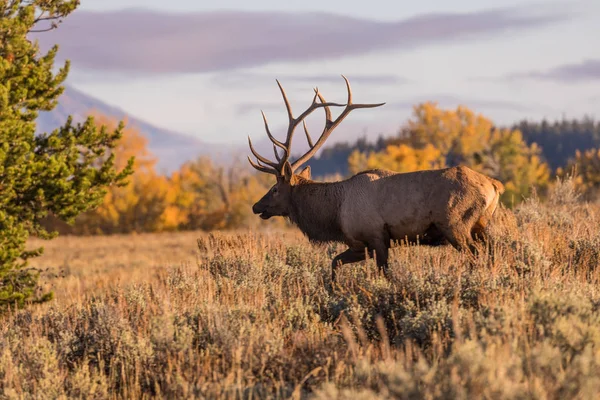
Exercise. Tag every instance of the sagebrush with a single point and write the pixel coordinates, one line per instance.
(249, 315)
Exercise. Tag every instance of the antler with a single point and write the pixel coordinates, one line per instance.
(276, 168)
(330, 124)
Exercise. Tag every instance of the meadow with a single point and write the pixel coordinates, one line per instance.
(252, 315)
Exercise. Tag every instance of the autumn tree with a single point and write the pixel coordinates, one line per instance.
(144, 205)
(435, 137)
(508, 158)
(585, 167)
(215, 197)
(400, 158)
(64, 172)
(202, 195)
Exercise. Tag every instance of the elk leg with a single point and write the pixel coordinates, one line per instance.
(347, 257)
(381, 256)
(478, 232)
(459, 238)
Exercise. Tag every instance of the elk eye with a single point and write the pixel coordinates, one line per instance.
(275, 190)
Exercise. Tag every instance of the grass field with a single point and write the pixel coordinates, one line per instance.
(251, 315)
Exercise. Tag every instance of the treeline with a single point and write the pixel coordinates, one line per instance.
(333, 160)
(437, 138)
(205, 196)
(559, 141)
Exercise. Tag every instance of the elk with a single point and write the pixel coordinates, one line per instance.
(372, 208)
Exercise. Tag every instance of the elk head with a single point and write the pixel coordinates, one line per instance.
(277, 201)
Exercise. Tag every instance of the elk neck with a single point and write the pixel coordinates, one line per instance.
(315, 209)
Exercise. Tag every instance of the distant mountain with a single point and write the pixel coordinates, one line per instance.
(171, 148)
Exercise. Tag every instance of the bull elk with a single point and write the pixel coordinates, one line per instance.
(375, 207)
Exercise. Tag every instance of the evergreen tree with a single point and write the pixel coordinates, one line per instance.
(64, 172)
(561, 139)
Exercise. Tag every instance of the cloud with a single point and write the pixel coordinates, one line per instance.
(246, 80)
(585, 71)
(150, 42)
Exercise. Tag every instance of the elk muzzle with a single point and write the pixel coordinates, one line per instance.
(258, 208)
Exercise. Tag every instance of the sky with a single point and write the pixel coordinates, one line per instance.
(207, 69)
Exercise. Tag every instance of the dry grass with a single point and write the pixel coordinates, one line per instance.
(248, 315)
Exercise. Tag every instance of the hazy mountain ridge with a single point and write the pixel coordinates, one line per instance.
(171, 148)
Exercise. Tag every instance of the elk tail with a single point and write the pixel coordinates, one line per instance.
(488, 213)
(498, 186)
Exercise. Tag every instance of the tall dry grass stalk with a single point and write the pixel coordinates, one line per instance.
(249, 315)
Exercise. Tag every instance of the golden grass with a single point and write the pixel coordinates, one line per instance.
(76, 267)
(250, 315)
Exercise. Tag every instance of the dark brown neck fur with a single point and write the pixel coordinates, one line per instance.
(316, 208)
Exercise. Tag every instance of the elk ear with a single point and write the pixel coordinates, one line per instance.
(305, 173)
(287, 171)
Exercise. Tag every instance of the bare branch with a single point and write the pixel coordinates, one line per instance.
(43, 30)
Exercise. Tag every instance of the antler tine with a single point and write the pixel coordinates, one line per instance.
(327, 112)
(262, 168)
(288, 107)
(330, 124)
(353, 106)
(308, 138)
(293, 122)
(261, 158)
(291, 127)
(315, 105)
(316, 89)
(349, 89)
(327, 116)
(271, 137)
(327, 109)
(276, 154)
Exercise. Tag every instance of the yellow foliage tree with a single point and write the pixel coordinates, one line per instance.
(200, 195)
(214, 197)
(459, 131)
(246, 190)
(140, 206)
(203, 196)
(435, 138)
(508, 158)
(401, 158)
(586, 170)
